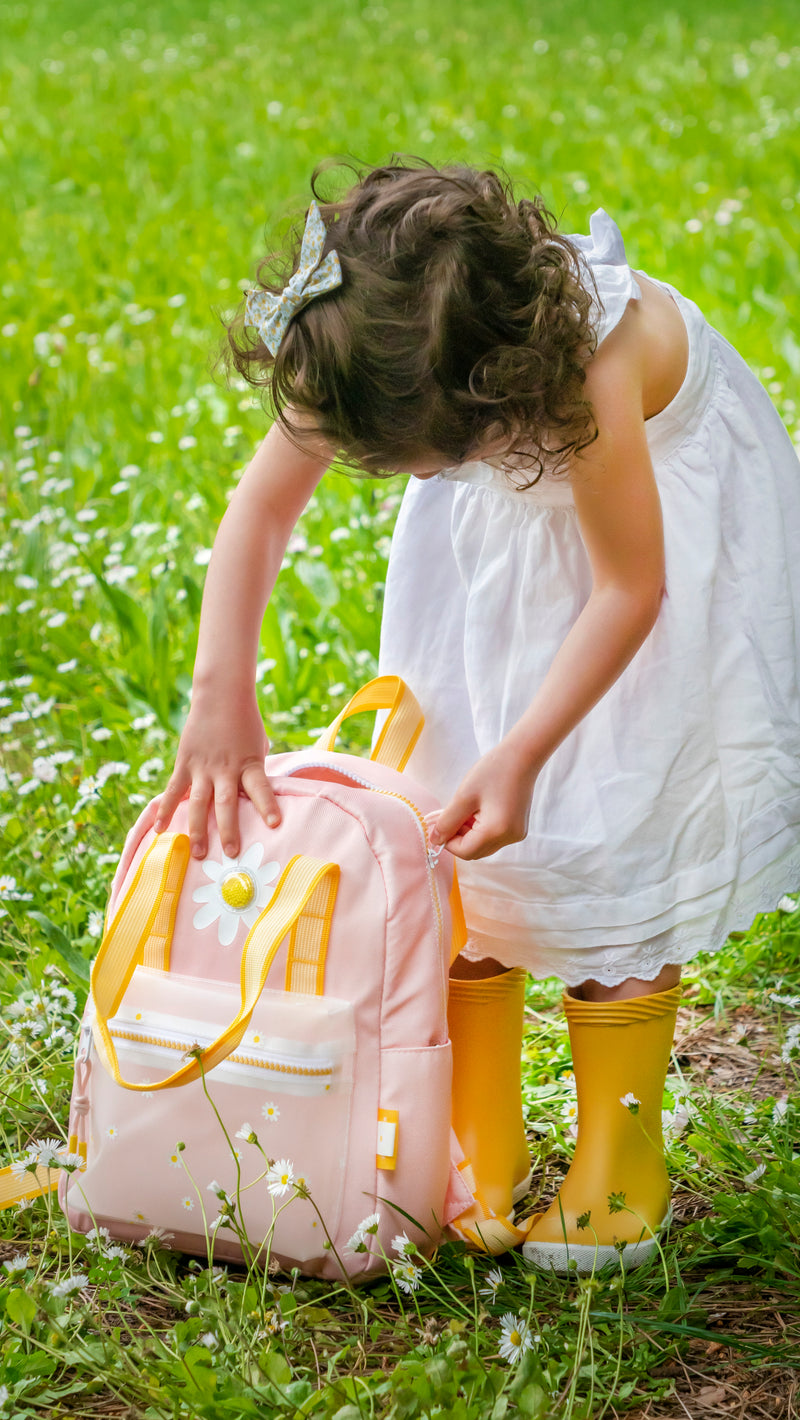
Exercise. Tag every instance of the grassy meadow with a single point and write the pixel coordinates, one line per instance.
(147, 153)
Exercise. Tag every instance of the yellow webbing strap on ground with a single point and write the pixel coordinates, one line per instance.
(403, 725)
(114, 966)
(483, 1230)
(16, 1186)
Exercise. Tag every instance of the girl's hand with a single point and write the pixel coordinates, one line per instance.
(220, 756)
(490, 807)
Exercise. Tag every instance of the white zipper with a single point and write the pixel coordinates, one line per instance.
(309, 1074)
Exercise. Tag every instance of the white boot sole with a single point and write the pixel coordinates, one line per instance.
(585, 1258)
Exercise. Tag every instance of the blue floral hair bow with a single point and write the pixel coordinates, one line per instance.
(271, 314)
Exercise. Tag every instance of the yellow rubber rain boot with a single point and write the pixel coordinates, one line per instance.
(620, 1053)
(485, 1018)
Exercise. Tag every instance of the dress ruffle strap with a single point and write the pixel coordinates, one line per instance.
(603, 252)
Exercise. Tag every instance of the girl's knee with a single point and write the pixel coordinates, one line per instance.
(668, 977)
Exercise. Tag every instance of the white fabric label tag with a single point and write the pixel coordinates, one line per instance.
(387, 1133)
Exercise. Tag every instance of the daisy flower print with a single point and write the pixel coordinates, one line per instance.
(237, 892)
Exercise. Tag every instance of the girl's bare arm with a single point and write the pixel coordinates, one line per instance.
(619, 513)
(224, 742)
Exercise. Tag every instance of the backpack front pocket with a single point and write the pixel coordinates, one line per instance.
(288, 1083)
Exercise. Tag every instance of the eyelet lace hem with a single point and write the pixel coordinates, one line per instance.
(679, 945)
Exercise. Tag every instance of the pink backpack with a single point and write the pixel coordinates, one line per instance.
(272, 1030)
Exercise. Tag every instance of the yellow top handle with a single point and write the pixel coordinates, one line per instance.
(141, 931)
(403, 725)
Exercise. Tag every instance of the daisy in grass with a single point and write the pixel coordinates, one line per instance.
(515, 1337)
(280, 1177)
(20, 1262)
(71, 1284)
(407, 1275)
(271, 1112)
(98, 1237)
(492, 1282)
(368, 1227)
(402, 1245)
(158, 1237)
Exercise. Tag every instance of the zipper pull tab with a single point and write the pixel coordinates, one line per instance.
(434, 854)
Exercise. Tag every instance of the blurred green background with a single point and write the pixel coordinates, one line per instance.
(149, 153)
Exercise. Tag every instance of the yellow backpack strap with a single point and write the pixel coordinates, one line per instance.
(139, 931)
(308, 942)
(296, 888)
(403, 725)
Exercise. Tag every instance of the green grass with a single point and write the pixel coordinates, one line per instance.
(145, 150)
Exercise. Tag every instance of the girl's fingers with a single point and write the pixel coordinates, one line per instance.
(455, 819)
(169, 801)
(199, 801)
(260, 793)
(226, 808)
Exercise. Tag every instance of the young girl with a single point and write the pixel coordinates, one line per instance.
(592, 594)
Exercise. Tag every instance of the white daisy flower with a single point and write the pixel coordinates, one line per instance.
(98, 1237)
(280, 1178)
(174, 1160)
(22, 1166)
(159, 1237)
(492, 1281)
(119, 1252)
(368, 1227)
(18, 1263)
(48, 1152)
(247, 1132)
(208, 1339)
(238, 891)
(755, 1175)
(780, 1108)
(71, 1162)
(271, 1112)
(515, 1337)
(630, 1102)
(569, 1111)
(187, 1203)
(111, 1131)
(407, 1275)
(402, 1245)
(75, 1283)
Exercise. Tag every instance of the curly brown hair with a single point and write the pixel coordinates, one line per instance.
(462, 322)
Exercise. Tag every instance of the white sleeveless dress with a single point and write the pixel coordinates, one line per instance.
(671, 815)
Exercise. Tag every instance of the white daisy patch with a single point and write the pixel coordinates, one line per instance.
(238, 891)
(271, 1112)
